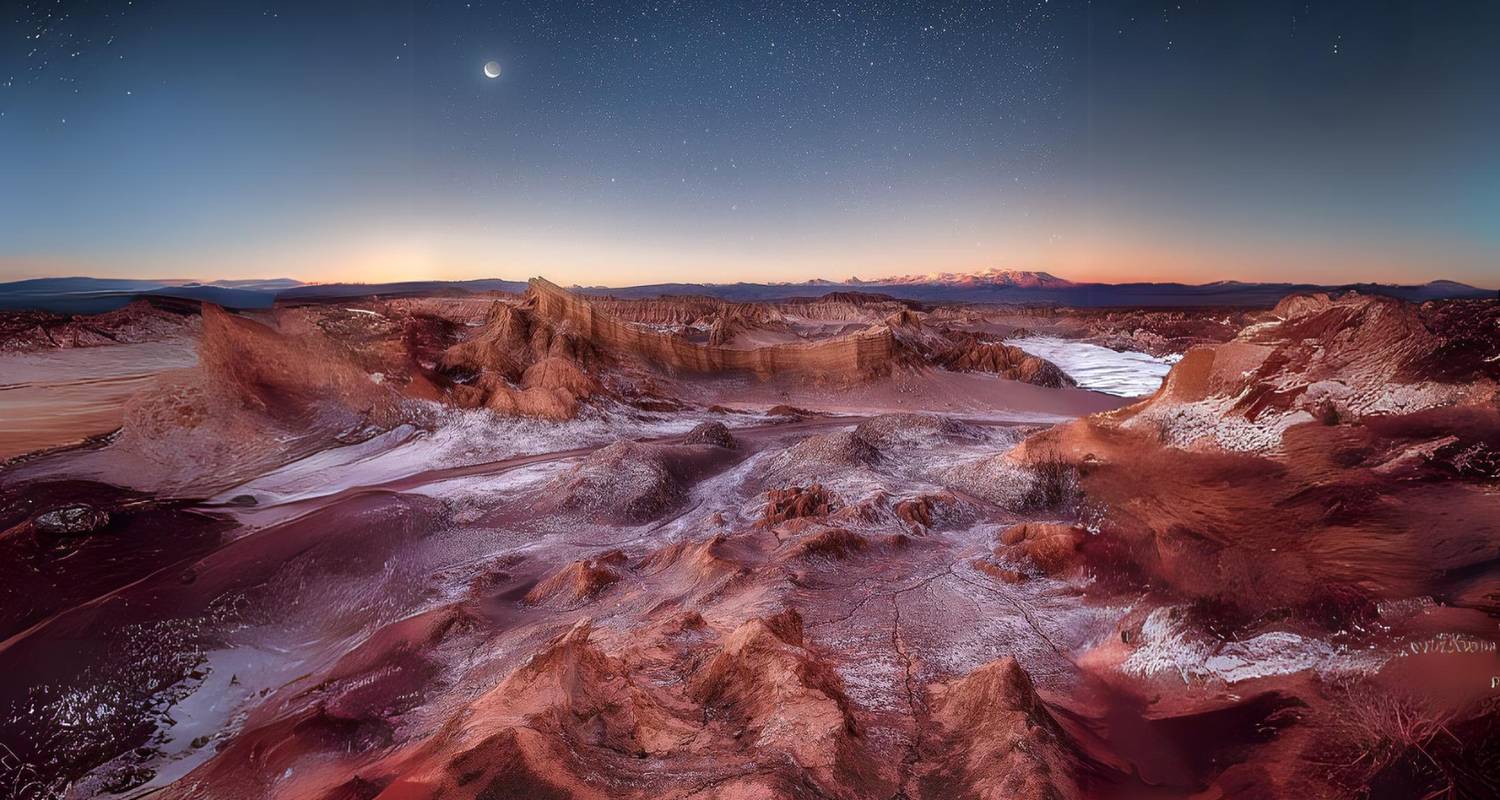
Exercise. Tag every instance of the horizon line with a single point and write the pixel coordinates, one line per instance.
(853, 281)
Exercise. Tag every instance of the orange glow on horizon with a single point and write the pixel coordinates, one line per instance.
(389, 259)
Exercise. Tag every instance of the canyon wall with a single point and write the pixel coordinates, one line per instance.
(862, 355)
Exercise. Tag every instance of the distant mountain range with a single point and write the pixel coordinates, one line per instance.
(1011, 278)
(1041, 288)
(81, 295)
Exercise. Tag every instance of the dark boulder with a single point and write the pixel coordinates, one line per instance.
(79, 519)
(713, 433)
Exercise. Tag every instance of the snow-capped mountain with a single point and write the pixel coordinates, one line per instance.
(1018, 278)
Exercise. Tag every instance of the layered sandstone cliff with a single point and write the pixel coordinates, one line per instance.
(862, 355)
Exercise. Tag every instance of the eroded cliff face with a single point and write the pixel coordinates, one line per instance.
(856, 308)
(858, 356)
(258, 396)
(548, 355)
(898, 339)
(554, 352)
(967, 353)
(1296, 467)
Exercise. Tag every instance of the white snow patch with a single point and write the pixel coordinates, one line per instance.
(1121, 373)
(1168, 645)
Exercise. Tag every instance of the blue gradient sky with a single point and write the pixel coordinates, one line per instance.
(642, 142)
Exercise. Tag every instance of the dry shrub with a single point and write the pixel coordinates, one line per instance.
(1054, 484)
(1401, 745)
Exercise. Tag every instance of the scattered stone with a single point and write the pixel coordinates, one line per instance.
(79, 519)
(714, 433)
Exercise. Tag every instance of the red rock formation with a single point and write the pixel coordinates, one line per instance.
(521, 366)
(967, 353)
(577, 583)
(1323, 359)
(999, 741)
(284, 377)
(258, 397)
(833, 543)
(696, 566)
(1052, 547)
(679, 310)
(849, 358)
(795, 502)
(555, 351)
(1296, 467)
(925, 511)
(788, 701)
(532, 732)
(144, 320)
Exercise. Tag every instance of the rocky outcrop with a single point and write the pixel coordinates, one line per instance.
(625, 481)
(997, 479)
(924, 512)
(142, 321)
(848, 358)
(1291, 469)
(554, 352)
(829, 543)
(796, 502)
(1052, 547)
(714, 433)
(999, 741)
(702, 312)
(1325, 359)
(258, 397)
(577, 583)
(818, 457)
(787, 700)
(287, 378)
(913, 430)
(967, 353)
(78, 519)
(528, 735)
(518, 365)
(583, 719)
(629, 482)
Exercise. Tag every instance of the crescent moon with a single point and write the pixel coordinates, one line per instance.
(492, 70)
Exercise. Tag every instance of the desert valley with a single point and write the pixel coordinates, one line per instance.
(542, 543)
(836, 400)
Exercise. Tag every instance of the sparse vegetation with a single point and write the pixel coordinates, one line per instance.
(1328, 413)
(1054, 484)
(1403, 745)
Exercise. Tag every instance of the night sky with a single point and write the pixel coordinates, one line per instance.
(640, 142)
